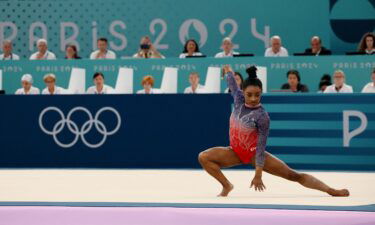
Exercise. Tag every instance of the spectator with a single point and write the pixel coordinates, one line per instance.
(227, 46)
(27, 86)
(323, 86)
(325, 81)
(294, 82)
(8, 51)
(51, 88)
(326, 77)
(102, 52)
(71, 52)
(195, 87)
(370, 87)
(147, 50)
(339, 85)
(148, 86)
(276, 49)
(191, 48)
(42, 52)
(239, 81)
(99, 87)
(366, 46)
(317, 48)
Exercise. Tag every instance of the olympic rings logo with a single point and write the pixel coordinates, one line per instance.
(79, 132)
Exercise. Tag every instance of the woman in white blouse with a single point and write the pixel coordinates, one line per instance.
(191, 48)
(51, 88)
(148, 86)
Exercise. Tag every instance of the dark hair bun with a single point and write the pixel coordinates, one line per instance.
(326, 77)
(252, 72)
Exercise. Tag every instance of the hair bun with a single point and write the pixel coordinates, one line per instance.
(326, 77)
(252, 72)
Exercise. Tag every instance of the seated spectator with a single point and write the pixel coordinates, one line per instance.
(195, 87)
(42, 53)
(323, 86)
(227, 47)
(294, 82)
(27, 86)
(317, 48)
(103, 52)
(326, 77)
(8, 51)
(339, 85)
(100, 87)
(191, 48)
(147, 50)
(71, 52)
(325, 81)
(148, 84)
(370, 87)
(51, 88)
(276, 49)
(239, 81)
(366, 46)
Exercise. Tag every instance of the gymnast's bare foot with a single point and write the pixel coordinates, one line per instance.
(339, 193)
(226, 190)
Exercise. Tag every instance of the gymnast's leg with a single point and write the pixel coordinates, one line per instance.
(276, 167)
(213, 159)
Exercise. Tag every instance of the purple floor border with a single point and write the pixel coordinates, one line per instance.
(58, 215)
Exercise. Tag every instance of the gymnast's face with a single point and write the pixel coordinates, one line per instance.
(252, 95)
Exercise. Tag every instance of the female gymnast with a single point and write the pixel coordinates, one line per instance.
(249, 126)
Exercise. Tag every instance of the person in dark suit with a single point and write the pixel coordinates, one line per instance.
(317, 48)
(294, 82)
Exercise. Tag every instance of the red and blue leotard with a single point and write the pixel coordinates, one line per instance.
(249, 127)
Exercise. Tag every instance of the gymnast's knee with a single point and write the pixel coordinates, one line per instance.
(203, 157)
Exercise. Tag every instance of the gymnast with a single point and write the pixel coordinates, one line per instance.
(249, 128)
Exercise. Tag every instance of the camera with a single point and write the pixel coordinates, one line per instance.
(145, 46)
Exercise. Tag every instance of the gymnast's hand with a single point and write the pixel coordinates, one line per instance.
(226, 69)
(258, 184)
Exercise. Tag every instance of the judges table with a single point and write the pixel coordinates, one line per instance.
(310, 131)
(356, 68)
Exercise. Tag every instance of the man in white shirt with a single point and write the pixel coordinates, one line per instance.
(27, 86)
(339, 85)
(227, 46)
(102, 52)
(276, 49)
(7, 52)
(99, 87)
(52, 89)
(42, 52)
(370, 87)
(195, 87)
